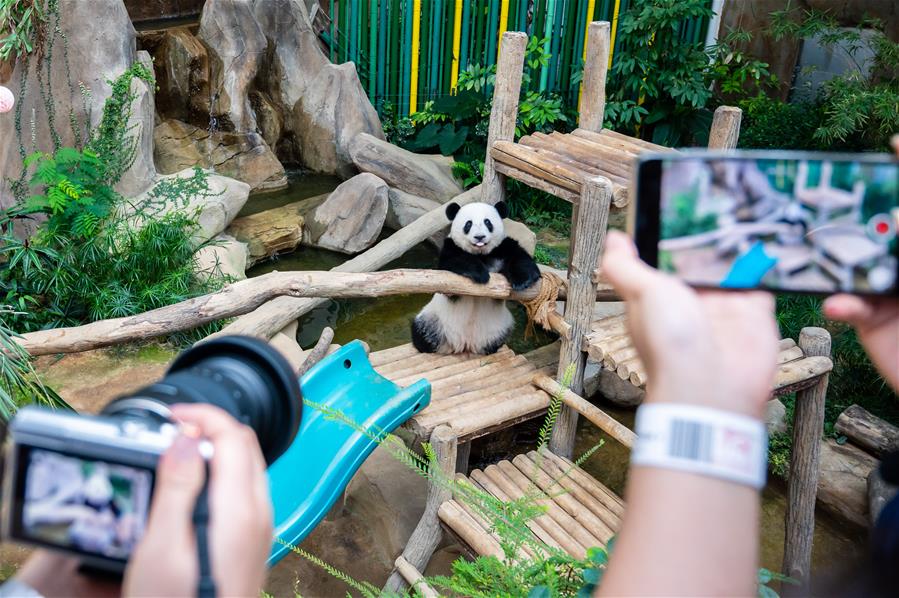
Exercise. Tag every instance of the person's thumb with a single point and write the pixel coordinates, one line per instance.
(624, 269)
(179, 479)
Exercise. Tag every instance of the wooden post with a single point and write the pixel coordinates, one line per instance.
(427, 534)
(504, 113)
(596, 67)
(463, 452)
(725, 131)
(591, 222)
(802, 486)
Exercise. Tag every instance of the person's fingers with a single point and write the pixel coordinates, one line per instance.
(848, 308)
(620, 265)
(212, 421)
(179, 478)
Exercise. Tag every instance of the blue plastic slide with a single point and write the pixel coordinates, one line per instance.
(307, 479)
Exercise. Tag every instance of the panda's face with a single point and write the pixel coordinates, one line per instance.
(477, 227)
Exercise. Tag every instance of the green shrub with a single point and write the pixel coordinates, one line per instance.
(96, 255)
(772, 124)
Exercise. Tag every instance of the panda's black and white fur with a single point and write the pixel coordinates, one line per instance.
(476, 246)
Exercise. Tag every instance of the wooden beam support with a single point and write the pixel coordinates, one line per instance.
(593, 102)
(802, 486)
(591, 220)
(427, 534)
(504, 113)
(725, 131)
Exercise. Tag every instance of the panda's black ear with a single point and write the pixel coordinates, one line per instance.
(451, 210)
(502, 209)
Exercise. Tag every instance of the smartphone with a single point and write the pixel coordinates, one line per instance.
(783, 221)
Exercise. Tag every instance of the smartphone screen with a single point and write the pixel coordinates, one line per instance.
(82, 505)
(810, 223)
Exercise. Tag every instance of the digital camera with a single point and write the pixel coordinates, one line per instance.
(83, 484)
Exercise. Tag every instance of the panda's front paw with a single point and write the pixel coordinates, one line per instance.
(524, 278)
(478, 276)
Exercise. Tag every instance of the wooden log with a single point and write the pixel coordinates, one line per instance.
(463, 454)
(593, 99)
(530, 160)
(627, 366)
(795, 373)
(638, 376)
(879, 494)
(565, 498)
(601, 157)
(791, 354)
(535, 181)
(613, 139)
(590, 232)
(808, 425)
(433, 373)
(868, 431)
(568, 152)
(476, 425)
(725, 131)
(597, 416)
(460, 500)
(599, 347)
(542, 468)
(414, 578)
(246, 295)
(271, 232)
(321, 348)
(469, 531)
(504, 112)
(564, 467)
(272, 317)
(393, 354)
(786, 343)
(427, 534)
(843, 475)
(611, 326)
(615, 358)
(562, 518)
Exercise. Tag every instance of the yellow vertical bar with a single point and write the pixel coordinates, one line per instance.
(591, 6)
(416, 35)
(457, 45)
(614, 30)
(503, 19)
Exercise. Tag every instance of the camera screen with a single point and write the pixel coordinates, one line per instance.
(86, 505)
(795, 225)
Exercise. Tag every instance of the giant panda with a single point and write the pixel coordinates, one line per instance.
(476, 246)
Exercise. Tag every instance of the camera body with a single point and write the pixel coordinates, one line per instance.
(83, 484)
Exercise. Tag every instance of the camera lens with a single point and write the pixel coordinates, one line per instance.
(242, 375)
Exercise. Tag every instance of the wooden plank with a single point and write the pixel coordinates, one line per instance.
(598, 490)
(463, 502)
(414, 578)
(786, 343)
(482, 377)
(611, 325)
(526, 159)
(552, 502)
(385, 356)
(547, 522)
(598, 348)
(568, 153)
(791, 354)
(616, 140)
(418, 362)
(571, 497)
(606, 158)
(442, 366)
(474, 423)
(801, 370)
(468, 530)
(534, 181)
(725, 131)
(615, 358)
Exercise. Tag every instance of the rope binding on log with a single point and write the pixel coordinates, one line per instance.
(540, 307)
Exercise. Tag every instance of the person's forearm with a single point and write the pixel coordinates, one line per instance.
(684, 534)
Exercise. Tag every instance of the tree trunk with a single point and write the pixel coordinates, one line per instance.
(868, 431)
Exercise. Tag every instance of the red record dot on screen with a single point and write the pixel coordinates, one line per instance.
(881, 228)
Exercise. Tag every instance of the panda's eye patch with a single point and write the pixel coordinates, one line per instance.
(488, 224)
(467, 227)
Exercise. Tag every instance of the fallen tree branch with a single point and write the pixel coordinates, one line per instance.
(317, 352)
(245, 296)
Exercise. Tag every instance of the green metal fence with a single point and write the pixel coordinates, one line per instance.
(410, 51)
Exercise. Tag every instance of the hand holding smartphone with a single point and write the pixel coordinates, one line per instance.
(782, 221)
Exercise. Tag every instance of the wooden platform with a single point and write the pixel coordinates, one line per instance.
(477, 394)
(559, 163)
(580, 511)
(608, 343)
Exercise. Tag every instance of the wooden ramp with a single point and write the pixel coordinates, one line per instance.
(609, 344)
(476, 394)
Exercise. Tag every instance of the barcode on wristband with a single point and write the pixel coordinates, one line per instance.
(691, 440)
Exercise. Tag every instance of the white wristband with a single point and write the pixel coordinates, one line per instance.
(701, 440)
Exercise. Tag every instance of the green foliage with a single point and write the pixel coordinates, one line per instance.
(22, 25)
(660, 84)
(858, 111)
(96, 255)
(765, 577)
(773, 124)
(19, 383)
